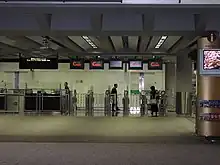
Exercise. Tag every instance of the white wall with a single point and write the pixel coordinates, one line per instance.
(78, 79)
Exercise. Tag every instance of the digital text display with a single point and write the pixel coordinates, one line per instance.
(38, 63)
(96, 64)
(116, 64)
(155, 65)
(76, 64)
(135, 65)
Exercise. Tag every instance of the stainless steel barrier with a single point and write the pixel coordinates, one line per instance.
(126, 110)
(143, 104)
(89, 104)
(108, 105)
(12, 103)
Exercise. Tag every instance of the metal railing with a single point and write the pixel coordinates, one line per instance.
(28, 102)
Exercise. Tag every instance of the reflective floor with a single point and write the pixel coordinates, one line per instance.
(96, 129)
(108, 154)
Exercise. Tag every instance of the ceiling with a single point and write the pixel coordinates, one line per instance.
(11, 47)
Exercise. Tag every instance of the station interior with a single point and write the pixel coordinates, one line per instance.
(92, 51)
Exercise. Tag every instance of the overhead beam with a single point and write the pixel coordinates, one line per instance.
(106, 43)
(44, 21)
(125, 41)
(68, 43)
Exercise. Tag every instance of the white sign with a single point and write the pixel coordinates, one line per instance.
(200, 1)
(150, 1)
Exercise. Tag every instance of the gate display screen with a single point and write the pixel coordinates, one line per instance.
(116, 64)
(155, 65)
(76, 64)
(38, 63)
(96, 64)
(135, 65)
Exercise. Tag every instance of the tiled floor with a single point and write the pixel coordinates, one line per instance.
(108, 154)
(98, 129)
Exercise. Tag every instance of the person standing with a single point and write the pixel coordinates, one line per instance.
(66, 99)
(153, 101)
(114, 94)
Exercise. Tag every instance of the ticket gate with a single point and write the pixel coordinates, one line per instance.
(107, 103)
(89, 104)
(143, 104)
(162, 104)
(74, 101)
(125, 102)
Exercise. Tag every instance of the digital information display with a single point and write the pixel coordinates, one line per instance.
(135, 65)
(96, 64)
(76, 64)
(209, 62)
(155, 65)
(38, 63)
(116, 64)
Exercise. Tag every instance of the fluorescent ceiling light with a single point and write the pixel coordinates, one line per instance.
(88, 40)
(160, 42)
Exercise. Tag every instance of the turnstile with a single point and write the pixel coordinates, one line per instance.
(74, 103)
(107, 104)
(143, 104)
(125, 102)
(89, 101)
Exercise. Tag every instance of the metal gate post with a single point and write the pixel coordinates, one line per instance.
(125, 104)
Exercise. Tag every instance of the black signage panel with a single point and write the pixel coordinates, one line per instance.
(155, 65)
(135, 65)
(38, 63)
(115, 64)
(76, 64)
(96, 64)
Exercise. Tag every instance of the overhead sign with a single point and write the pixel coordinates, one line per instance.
(135, 65)
(96, 64)
(155, 64)
(115, 64)
(76, 64)
(38, 63)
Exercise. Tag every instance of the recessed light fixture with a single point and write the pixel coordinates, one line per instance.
(161, 41)
(89, 41)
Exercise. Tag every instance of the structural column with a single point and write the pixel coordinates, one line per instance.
(170, 85)
(183, 83)
(208, 92)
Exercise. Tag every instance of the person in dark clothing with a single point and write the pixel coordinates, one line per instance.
(154, 99)
(66, 99)
(114, 94)
(66, 86)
